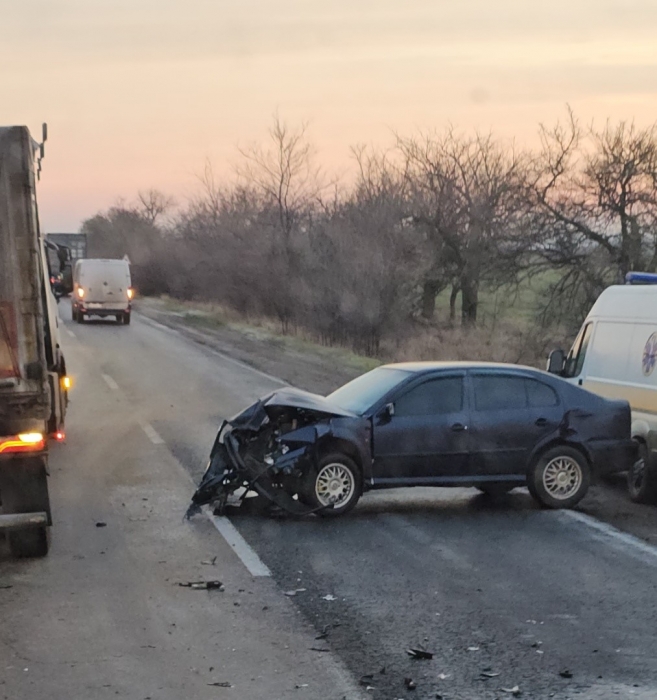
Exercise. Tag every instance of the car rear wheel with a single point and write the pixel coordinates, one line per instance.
(642, 478)
(560, 477)
(334, 485)
(126, 319)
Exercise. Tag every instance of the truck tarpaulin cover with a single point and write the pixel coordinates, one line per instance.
(9, 366)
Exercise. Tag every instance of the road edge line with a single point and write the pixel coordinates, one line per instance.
(610, 532)
(247, 555)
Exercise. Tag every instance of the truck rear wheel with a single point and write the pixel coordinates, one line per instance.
(29, 543)
(24, 489)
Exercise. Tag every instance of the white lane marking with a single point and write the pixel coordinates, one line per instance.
(152, 434)
(242, 365)
(610, 532)
(71, 334)
(241, 547)
(110, 382)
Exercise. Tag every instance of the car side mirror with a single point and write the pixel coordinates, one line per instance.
(556, 361)
(386, 413)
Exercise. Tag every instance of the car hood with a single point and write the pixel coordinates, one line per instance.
(296, 398)
(256, 415)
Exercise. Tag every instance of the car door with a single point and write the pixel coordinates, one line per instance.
(503, 429)
(425, 439)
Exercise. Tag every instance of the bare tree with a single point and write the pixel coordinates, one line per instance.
(595, 206)
(469, 196)
(153, 205)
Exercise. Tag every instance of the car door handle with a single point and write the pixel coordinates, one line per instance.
(541, 422)
(459, 427)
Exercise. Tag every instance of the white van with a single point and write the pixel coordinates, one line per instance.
(102, 287)
(615, 355)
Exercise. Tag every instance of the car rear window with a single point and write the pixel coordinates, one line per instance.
(494, 393)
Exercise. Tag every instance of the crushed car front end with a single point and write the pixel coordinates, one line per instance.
(274, 447)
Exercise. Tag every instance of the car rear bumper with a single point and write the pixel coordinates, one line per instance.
(613, 456)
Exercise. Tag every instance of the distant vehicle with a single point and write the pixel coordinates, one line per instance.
(490, 426)
(33, 381)
(75, 242)
(102, 287)
(60, 269)
(614, 355)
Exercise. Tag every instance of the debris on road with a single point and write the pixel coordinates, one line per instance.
(419, 654)
(566, 673)
(318, 649)
(515, 691)
(410, 683)
(221, 684)
(202, 585)
(443, 676)
(210, 562)
(329, 597)
(473, 648)
(292, 593)
(100, 523)
(487, 673)
(368, 681)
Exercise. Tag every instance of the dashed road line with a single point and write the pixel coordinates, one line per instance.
(248, 557)
(152, 434)
(70, 333)
(110, 382)
(609, 532)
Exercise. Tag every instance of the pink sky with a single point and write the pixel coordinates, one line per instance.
(138, 93)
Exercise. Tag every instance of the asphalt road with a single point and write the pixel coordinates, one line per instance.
(494, 587)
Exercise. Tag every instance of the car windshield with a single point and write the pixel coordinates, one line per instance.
(364, 391)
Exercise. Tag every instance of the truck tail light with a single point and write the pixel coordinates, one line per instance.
(80, 292)
(67, 382)
(24, 442)
(130, 293)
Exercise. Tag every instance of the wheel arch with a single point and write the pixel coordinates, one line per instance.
(558, 442)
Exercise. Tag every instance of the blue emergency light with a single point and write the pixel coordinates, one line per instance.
(641, 278)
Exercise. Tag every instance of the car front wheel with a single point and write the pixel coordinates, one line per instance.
(334, 486)
(560, 477)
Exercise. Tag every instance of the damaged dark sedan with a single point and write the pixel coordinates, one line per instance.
(490, 426)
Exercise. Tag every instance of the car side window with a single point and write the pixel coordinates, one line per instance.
(499, 392)
(540, 395)
(433, 397)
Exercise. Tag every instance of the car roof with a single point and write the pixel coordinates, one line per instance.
(429, 366)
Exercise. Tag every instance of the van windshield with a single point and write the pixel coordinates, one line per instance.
(577, 354)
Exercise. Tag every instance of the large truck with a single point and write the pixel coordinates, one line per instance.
(33, 380)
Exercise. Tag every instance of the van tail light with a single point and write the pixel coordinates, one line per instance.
(131, 293)
(80, 292)
(24, 442)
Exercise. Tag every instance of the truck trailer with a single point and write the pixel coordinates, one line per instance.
(33, 381)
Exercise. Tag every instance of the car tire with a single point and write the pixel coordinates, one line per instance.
(120, 319)
(560, 477)
(642, 478)
(25, 544)
(495, 488)
(126, 319)
(335, 476)
(80, 317)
